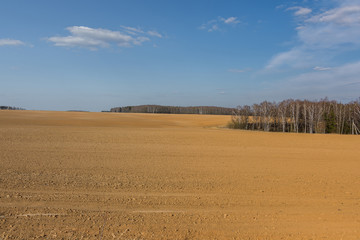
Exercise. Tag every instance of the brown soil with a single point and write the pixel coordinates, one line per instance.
(72, 175)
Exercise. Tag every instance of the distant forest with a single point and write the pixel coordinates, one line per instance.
(10, 108)
(300, 116)
(175, 110)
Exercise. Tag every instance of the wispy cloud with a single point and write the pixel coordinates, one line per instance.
(230, 20)
(154, 34)
(329, 78)
(340, 82)
(317, 68)
(94, 38)
(132, 30)
(295, 58)
(345, 15)
(300, 11)
(322, 37)
(10, 42)
(219, 23)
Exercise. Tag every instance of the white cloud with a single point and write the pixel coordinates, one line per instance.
(338, 83)
(333, 28)
(139, 41)
(214, 27)
(296, 57)
(219, 23)
(230, 20)
(154, 34)
(94, 38)
(299, 11)
(317, 68)
(10, 42)
(322, 36)
(345, 15)
(330, 78)
(132, 30)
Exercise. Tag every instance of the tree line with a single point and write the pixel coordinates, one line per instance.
(10, 108)
(300, 116)
(175, 109)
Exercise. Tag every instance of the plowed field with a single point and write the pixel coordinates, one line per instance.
(79, 175)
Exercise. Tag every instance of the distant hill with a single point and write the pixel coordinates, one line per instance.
(10, 108)
(175, 110)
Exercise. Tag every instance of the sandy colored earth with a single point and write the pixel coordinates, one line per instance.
(72, 175)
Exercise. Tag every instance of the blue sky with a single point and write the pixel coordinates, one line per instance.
(94, 55)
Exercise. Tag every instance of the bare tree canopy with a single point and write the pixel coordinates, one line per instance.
(298, 116)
